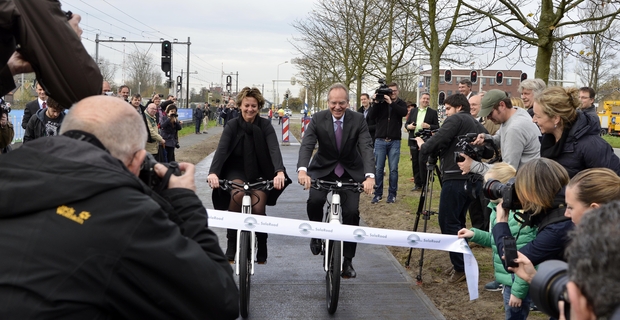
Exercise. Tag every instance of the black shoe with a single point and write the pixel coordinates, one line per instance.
(416, 188)
(347, 269)
(315, 246)
(230, 253)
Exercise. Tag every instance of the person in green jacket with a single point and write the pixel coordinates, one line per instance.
(516, 290)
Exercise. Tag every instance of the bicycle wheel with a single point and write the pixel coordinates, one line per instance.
(244, 273)
(332, 276)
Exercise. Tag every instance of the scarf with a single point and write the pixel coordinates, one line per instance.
(551, 149)
(256, 165)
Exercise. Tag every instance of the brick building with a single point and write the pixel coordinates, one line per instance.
(510, 84)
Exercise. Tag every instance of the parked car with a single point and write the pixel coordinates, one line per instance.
(288, 112)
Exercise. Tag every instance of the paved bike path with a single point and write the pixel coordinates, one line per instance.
(292, 283)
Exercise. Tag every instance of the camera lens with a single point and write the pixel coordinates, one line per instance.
(492, 189)
(549, 286)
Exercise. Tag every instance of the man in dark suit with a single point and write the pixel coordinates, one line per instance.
(364, 109)
(337, 159)
(420, 118)
(33, 106)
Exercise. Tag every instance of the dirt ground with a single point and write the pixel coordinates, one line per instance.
(451, 299)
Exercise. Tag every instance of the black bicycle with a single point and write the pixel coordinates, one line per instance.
(332, 249)
(246, 240)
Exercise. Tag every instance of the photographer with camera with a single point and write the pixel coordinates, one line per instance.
(428, 119)
(515, 290)
(106, 245)
(455, 197)
(539, 189)
(518, 136)
(170, 130)
(387, 113)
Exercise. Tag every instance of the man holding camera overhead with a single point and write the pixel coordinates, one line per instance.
(518, 136)
(98, 243)
(456, 188)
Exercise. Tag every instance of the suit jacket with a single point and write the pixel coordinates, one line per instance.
(431, 118)
(355, 154)
(370, 122)
(31, 108)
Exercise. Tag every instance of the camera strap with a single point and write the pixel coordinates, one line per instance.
(85, 136)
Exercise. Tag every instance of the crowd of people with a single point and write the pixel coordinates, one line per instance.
(121, 237)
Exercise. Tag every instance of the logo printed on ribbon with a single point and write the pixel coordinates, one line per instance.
(413, 239)
(359, 234)
(250, 222)
(305, 228)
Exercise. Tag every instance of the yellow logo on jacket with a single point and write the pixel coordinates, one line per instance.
(69, 213)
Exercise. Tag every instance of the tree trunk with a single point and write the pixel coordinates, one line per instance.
(543, 62)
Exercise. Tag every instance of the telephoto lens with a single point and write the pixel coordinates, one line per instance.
(548, 287)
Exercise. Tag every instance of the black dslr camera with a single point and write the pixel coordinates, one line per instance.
(548, 287)
(4, 108)
(381, 91)
(486, 151)
(150, 177)
(425, 134)
(493, 190)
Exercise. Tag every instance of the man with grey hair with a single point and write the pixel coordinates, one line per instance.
(106, 245)
(344, 153)
(529, 89)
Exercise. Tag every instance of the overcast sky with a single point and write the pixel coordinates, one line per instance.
(246, 36)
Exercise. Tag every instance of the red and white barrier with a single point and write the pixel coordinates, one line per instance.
(285, 131)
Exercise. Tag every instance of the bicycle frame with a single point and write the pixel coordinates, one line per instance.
(246, 208)
(334, 216)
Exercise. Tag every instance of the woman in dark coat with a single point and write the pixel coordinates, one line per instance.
(241, 157)
(169, 130)
(570, 136)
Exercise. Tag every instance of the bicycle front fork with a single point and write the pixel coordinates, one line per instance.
(334, 216)
(246, 208)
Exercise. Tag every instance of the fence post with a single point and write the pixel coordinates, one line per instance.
(285, 131)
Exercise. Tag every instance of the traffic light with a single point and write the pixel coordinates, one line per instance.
(442, 97)
(523, 76)
(499, 77)
(286, 96)
(473, 76)
(448, 76)
(166, 57)
(228, 83)
(179, 84)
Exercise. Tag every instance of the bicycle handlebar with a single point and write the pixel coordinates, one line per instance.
(264, 185)
(337, 185)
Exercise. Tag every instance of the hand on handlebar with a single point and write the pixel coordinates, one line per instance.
(304, 179)
(185, 180)
(213, 180)
(279, 180)
(369, 185)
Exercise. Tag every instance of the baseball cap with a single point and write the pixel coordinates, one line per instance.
(491, 99)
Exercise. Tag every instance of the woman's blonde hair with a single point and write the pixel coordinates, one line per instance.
(561, 102)
(517, 102)
(596, 185)
(248, 92)
(538, 182)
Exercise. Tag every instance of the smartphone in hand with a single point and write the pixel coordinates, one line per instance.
(510, 252)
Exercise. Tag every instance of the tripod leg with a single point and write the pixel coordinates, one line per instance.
(417, 221)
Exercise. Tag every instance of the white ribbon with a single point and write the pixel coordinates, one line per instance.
(335, 231)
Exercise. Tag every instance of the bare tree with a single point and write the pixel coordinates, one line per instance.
(142, 71)
(108, 70)
(449, 32)
(598, 59)
(340, 38)
(511, 19)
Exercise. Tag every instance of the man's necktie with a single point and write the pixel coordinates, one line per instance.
(339, 171)
(44, 105)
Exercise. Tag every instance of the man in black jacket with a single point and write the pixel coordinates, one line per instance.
(99, 243)
(365, 109)
(33, 106)
(388, 116)
(456, 187)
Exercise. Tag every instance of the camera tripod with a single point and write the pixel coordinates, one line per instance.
(424, 210)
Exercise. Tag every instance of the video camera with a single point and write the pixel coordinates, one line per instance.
(486, 151)
(150, 177)
(381, 91)
(493, 190)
